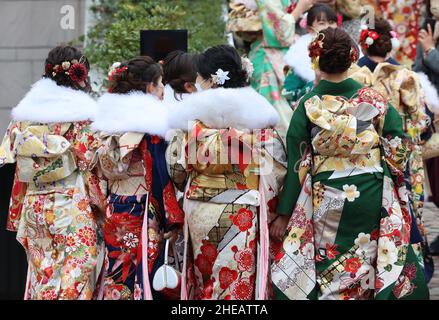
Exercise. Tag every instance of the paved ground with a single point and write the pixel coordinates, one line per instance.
(431, 218)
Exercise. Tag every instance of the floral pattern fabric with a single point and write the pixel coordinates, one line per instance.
(349, 232)
(55, 224)
(224, 206)
(141, 204)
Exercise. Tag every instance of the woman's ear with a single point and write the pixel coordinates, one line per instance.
(150, 87)
(189, 87)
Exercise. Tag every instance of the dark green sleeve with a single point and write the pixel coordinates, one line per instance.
(298, 138)
(393, 124)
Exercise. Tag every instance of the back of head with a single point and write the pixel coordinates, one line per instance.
(338, 51)
(134, 75)
(68, 67)
(226, 58)
(179, 68)
(381, 46)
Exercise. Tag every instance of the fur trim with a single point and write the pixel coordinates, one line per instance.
(221, 108)
(46, 102)
(133, 112)
(431, 94)
(169, 96)
(298, 58)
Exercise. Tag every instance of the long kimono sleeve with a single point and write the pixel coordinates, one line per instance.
(278, 24)
(7, 148)
(298, 138)
(176, 160)
(8, 156)
(394, 142)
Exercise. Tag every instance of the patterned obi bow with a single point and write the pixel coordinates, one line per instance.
(344, 128)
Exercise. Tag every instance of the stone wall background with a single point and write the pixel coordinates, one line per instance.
(29, 29)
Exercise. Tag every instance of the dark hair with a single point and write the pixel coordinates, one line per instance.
(139, 72)
(383, 45)
(226, 58)
(57, 56)
(336, 54)
(179, 68)
(321, 12)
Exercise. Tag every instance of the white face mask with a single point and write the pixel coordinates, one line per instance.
(198, 87)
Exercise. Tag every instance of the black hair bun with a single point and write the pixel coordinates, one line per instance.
(226, 58)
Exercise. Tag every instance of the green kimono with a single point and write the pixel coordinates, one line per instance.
(349, 232)
(267, 55)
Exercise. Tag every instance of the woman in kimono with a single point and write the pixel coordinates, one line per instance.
(50, 139)
(141, 208)
(270, 41)
(344, 218)
(301, 76)
(231, 163)
(403, 88)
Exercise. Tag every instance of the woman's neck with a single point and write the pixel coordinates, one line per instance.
(335, 77)
(377, 59)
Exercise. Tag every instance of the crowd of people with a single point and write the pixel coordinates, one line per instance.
(294, 171)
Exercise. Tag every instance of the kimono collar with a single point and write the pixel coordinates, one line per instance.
(366, 61)
(46, 102)
(132, 112)
(221, 108)
(343, 88)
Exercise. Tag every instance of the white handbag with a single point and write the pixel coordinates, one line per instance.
(166, 277)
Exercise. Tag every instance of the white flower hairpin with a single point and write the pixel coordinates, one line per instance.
(220, 76)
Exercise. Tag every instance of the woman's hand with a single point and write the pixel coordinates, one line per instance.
(301, 7)
(279, 226)
(172, 235)
(426, 39)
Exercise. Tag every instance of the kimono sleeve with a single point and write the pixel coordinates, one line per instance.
(278, 24)
(394, 142)
(298, 138)
(7, 148)
(411, 97)
(176, 160)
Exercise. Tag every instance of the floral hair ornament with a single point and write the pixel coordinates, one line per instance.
(315, 50)
(115, 70)
(220, 77)
(354, 54)
(367, 37)
(395, 41)
(75, 69)
(247, 65)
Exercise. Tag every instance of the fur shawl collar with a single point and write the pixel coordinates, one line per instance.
(297, 57)
(221, 108)
(133, 112)
(46, 102)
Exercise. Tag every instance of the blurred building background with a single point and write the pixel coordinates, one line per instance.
(30, 28)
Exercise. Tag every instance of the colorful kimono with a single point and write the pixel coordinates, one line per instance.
(402, 88)
(267, 53)
(50, 140)
(141, 202)
(230, 164)
(349, 232)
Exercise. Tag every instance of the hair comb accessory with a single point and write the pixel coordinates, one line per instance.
(395, 41)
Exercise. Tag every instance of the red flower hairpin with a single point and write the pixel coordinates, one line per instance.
(316, 46)
(75, 69)
(367, 37)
